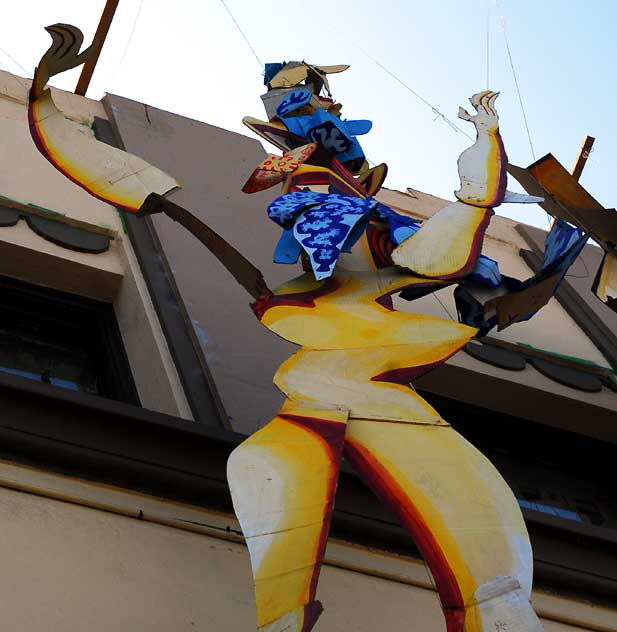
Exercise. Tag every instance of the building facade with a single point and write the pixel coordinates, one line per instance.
(131, 366)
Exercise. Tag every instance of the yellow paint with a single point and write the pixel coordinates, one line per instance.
(348, 339)
(343, 378)
(349, 318)
(466, 505)
(607, 283)
(447, 244)
(109, 174)
(281, 481)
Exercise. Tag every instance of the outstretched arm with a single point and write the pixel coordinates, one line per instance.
(110, 174)
(449, 243)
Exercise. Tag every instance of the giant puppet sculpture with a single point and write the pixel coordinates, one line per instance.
(348, 387)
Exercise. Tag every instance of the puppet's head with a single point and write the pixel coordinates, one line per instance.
(296, 99)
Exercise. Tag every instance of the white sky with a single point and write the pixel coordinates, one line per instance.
(187, 56)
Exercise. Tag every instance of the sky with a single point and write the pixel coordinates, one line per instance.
(188, 57)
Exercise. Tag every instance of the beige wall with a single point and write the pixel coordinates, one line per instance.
(111, 276)
(68, 566)
(212, 164)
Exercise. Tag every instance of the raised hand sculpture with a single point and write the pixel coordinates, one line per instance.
(348, 387)
(482, 167)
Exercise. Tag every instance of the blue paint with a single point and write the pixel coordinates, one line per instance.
(486, 272)
(326, 224)
(293, 101)
(270, 71)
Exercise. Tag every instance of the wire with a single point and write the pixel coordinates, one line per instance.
(18, 80)
(442, 304)
(418, 96)
(130, 39)
(518, 90)
(16, 62)
(488, 42)
(261, 66)
(587, 273)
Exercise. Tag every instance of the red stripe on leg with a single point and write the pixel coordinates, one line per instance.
(389, 490)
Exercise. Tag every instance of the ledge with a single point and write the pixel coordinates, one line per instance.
(118, 444)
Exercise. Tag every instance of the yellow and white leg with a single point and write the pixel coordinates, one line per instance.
(282, 481)
(461, 514)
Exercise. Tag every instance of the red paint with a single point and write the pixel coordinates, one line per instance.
(297, 181)
(299, 299)
(380, 245)
(340, 170)
(503, 175)
(405, 375)
(312, 611)
(385, 300)
(43, 148)
(332, 432)
(388, 489)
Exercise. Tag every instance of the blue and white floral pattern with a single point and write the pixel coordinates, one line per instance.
(285, 209)
(325, 224)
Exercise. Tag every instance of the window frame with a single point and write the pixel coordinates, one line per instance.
(115, 379)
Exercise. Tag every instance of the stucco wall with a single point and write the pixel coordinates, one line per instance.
(212, 165)
(69, 567)
(113, 276)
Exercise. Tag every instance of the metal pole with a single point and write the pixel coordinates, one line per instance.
(101, 33)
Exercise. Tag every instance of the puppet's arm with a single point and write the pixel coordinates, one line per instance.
(449, 244)
(109, 174)
(247, 275)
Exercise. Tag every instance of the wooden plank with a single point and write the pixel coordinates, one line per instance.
(101, 34)
(581, 161)
(560, 183)
(565, 198)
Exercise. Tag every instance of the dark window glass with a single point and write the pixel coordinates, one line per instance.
(562, 474)
(64, 340)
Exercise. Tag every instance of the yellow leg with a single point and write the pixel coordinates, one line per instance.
(282, 481)
(461, 514)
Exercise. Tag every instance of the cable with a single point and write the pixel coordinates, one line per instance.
(261, 66)
(418, 96)
(488, 41)
(442, 304)
(16, 62)
(20, 82)
(518, 90)
(587, 273)
(128, 43)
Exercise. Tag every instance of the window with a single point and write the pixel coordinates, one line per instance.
(62, 339)
(562, 474)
